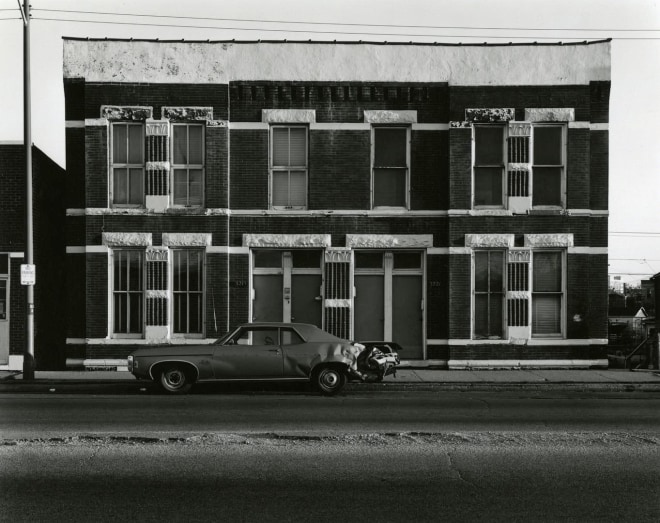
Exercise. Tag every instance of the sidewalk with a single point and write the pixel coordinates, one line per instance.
(407, 379)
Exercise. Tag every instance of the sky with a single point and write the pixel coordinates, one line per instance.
(633, 26)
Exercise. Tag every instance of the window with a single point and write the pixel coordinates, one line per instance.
(548, 165)
(128, 292)
(522, 160)
(547, 294)
(288, 164)
(188, 291)
(531, 283)
(257, 337)
(187, 164)
(127, 164)
(488, 294)
(390, 167)
(488, 165)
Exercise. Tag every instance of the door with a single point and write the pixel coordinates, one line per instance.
(252, 353)
(389, 298)
(287, 286)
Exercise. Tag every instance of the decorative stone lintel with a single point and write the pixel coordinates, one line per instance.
(287, 240)
(549, 240)
(560, 114)
(187, 239)
(127, 239)
(490, 114)
(217, 123)
(156, 254)
(157, 128)
(126, 112)
(187, 113)
(288, 115)
(520, 256)
(381, 241)
(489, 240)
(460, 125)
(385, 116)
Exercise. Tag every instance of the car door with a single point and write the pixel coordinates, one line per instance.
(252, 353)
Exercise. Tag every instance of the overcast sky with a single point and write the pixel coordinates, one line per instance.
(633, 25)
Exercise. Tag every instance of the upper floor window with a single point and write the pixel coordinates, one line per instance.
(288, 167)
(127, 163)
(187, 164)
(521, 160)
(390, 167)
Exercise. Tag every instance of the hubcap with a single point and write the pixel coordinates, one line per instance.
(330, 379)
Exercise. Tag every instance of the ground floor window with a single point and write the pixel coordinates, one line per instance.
(520, 289)
(187, 291)
(547, 293)
(128, 292)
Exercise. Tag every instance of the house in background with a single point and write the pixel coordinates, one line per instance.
(49, 258)
(452, 198)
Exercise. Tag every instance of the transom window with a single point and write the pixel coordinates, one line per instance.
(288, 166)
(390, 162)
(127, 164)
(519, 160)
(187, 164)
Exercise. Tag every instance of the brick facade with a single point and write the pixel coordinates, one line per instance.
(340, 183)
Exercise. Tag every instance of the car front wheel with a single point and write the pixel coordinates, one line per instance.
(329, 380)
(175, 380)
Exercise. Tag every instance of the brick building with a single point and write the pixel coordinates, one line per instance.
(452, 198)
(48, 253)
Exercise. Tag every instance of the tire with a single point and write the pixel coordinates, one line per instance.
(329, 380)
(175, 379)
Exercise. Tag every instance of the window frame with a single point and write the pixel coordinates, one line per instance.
(505, 166)
(272, 168)
(502, 166)
(562, 166)
(188, 166)
(127, 165)
(374, 129)
(502, 293)
(201, 292)
(562, 294)
(114, 293)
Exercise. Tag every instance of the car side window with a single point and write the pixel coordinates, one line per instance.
(254, 337)
(291, 337)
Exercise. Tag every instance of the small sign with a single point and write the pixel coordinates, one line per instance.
(28, 274)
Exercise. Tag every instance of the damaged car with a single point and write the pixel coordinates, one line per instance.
(256, 351)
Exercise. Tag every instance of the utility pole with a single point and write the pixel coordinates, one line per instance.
(28, 360)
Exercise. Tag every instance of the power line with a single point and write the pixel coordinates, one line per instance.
(309, 31)
(347, 24)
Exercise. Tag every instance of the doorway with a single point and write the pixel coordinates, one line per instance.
(389, 300)
(287, 286)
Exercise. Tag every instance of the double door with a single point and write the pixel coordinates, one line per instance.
(287, 286)
(389, 301)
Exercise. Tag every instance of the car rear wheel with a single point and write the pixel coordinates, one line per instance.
(329, 380)
(175, 379)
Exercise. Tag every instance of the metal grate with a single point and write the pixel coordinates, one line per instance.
(518, 312)
(518, 149)
(518, 182)
(337, 293)
(156, 311)
(518, 277)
